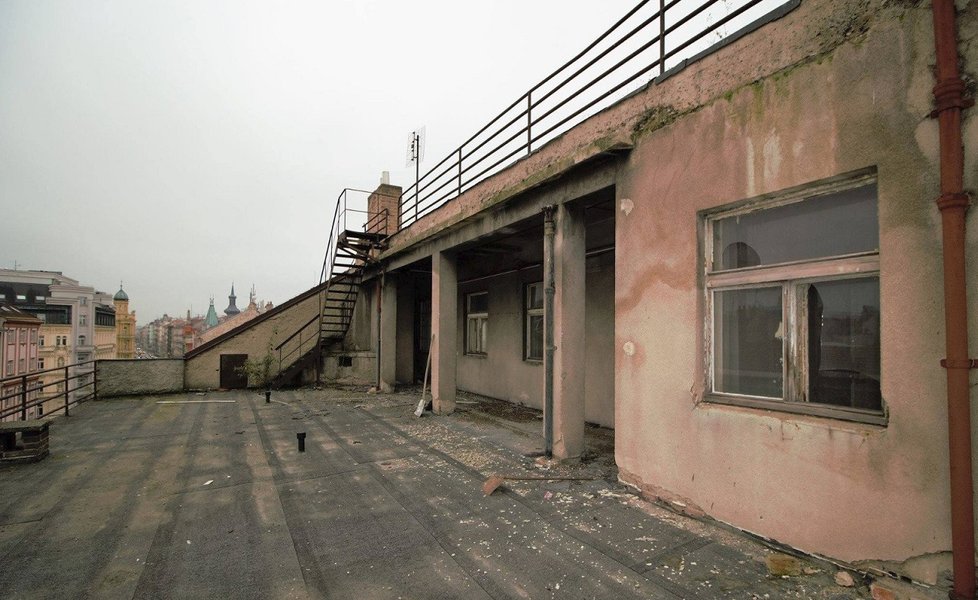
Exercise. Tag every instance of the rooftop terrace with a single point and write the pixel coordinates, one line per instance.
(206, 496)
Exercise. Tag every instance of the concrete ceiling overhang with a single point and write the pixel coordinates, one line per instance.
(512, 215)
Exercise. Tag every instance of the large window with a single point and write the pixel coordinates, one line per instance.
(533, 303)
(793, 300)
(476, 323)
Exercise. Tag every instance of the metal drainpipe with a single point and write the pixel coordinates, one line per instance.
(380, 322)
(953, 203)
(548, 330)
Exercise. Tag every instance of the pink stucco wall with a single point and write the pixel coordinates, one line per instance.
(850, 491)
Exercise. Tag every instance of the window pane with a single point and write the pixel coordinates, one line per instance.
(534, 296)
(844, 343)
(534, 345)
(479, 303)
(483, 334)
(748, 344)
(830, 225)
(472, 336)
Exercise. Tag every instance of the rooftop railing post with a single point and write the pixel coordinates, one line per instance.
(529, 123)
(66, 386)
(95, 381)
(662, 36)
(460, 170)
(23, 397)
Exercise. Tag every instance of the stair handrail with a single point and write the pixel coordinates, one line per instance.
(336, 268)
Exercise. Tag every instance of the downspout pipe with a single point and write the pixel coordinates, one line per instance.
(953, 204)
(550, 285)
(380, 322)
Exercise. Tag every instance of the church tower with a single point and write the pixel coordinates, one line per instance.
(211, 319)
(125, 326)
(231, 310)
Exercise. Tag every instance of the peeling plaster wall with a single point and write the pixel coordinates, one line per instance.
(129, 377)
(860, 98)
(359, 344)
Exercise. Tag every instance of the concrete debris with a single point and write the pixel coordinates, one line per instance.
(783, 565)
(844, 579)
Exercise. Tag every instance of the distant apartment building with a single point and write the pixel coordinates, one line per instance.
(19, 334)
(77, 324)
(164, 337)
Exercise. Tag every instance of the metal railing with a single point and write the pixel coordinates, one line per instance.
(652, 39)
(297, 344)
(24, 396)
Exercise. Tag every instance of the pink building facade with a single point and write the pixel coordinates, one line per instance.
(19, 334)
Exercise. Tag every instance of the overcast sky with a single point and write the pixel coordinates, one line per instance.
(180, 145)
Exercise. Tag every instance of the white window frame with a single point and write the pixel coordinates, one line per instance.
(792, 277)
(479, 345)
(529, 312)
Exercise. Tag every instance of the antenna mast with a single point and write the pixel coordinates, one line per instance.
(416, 155)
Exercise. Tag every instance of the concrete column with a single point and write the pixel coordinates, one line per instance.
(388, 333)
(570, 356)
(444, 326)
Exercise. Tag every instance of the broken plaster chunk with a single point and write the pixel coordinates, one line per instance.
(629, 348)
(844, 579)
(627, 205)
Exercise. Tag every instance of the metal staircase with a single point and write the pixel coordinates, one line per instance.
(355, 237)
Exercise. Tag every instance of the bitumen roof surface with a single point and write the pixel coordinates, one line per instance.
(207, 496)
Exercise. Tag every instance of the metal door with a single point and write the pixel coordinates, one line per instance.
(233, 376)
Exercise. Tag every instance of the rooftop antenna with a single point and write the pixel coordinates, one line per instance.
(415, 154)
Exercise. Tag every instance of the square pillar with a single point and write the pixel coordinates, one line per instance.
(444, 327)
(569, 332)
(388, 333)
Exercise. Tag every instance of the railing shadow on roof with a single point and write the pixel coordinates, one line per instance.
(652, 41)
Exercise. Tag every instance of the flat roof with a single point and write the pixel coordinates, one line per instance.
(207, 496)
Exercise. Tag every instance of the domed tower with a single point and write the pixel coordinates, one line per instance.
(125, 326)
(231, 310)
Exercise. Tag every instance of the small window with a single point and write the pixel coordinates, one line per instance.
(40, 364)
(476, 323)
(40, 298)
(82, 320)
(82, 301)
(794, 303)
(21, 297)
(61, 362)
(533, 344)
(81, 340)
(40, 340)
(345, 361)
(3, 296)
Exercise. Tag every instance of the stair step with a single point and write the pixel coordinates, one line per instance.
(361, 235)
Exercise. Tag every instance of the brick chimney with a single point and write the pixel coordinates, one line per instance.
(386, 196)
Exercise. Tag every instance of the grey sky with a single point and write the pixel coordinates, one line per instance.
(179, 145)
